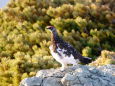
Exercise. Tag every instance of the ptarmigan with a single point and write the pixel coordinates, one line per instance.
(63, 52)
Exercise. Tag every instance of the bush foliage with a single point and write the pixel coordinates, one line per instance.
(88, 25)
(106, 57)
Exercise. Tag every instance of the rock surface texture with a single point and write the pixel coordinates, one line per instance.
(79, 75)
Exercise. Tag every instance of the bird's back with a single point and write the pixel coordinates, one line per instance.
(69, 50)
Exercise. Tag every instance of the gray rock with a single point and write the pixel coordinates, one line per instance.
(52, 81)
(108, 69)
(80, 75)
(33, 81)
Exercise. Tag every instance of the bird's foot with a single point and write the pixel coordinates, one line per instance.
(62, 69)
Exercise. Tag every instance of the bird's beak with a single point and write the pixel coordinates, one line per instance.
(47, 28)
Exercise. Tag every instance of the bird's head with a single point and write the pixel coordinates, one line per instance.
(51, 28)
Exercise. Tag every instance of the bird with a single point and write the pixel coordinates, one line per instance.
(63, 52)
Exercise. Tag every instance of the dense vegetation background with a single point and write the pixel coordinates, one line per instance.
(89, 25)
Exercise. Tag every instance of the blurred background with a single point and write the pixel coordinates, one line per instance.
(89, 25)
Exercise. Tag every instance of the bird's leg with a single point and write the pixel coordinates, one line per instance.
(63, 66)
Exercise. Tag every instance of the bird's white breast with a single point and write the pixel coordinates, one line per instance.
(62, 58)
(55, 55)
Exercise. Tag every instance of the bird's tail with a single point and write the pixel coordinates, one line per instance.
(85, 60)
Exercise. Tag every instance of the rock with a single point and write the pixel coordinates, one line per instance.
(108, 69)
(33, 81)
(52, 81)
(80, 75)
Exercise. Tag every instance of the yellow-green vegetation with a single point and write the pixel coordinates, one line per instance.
(106, 57)
(87, 24)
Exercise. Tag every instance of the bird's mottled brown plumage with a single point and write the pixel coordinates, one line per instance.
(60, 46)
(58, 42)
(53, 42)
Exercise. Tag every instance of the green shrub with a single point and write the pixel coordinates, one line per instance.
(106, 57)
